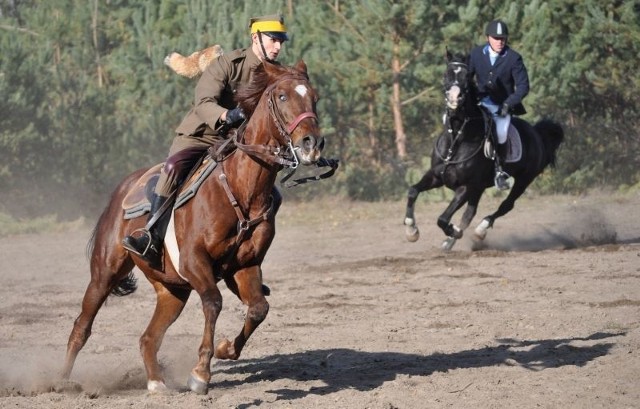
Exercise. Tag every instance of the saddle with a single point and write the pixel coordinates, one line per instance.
(514, 146)
(137, 202)
(514, 143)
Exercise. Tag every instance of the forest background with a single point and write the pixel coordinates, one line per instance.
(86, 98)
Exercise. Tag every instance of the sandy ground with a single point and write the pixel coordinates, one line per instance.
(546, 314)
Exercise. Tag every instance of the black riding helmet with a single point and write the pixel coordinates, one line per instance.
(497, 29)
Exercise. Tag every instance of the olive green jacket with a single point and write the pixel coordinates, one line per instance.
(215, 91)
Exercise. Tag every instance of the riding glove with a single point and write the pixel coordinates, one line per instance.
(234, 116)
(504, 111)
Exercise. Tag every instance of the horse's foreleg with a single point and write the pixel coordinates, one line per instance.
(473, 198)
(169, 305)
(428, 181)
(452, 231)
(96, 293)
(505, 207)
(247, 285)
(211, 306)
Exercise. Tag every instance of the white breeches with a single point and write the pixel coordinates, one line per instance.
(502, 122)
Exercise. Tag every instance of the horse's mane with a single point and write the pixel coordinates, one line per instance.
(249, 94)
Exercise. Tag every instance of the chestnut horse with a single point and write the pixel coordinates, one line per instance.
(223, 232)
(460, 158)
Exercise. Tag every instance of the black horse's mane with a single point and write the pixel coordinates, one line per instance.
(249, 95)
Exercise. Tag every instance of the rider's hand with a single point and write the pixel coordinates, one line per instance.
(234, 116)
(504, 111)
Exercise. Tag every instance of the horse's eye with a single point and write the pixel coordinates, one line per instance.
(283, 97)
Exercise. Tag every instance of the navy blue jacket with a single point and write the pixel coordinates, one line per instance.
(506, 81)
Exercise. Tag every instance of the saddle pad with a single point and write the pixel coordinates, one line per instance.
(514, 145)
(136, 202)
(171, 246)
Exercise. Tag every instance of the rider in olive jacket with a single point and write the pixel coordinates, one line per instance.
(214, 108)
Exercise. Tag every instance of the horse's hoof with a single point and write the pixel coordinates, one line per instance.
(66, 386)
(481, 231)
(198, 386)
(457, 232)
(157, 387)
(224, 350)
(448, 243)
(411, 232)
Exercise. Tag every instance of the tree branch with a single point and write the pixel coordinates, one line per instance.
(413, 98)
(23, 30)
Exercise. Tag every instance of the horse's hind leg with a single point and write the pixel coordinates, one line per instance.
(247, 285)
(169, 304)
(428, 181)
(103, 281)
(505, 207)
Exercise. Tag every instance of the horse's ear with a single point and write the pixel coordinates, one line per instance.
(302, 67)
(448, 54)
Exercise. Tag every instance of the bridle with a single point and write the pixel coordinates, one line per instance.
(455, 137)
(457, 68)
(284, 153)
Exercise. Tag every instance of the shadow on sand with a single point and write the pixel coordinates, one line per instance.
(340, 369)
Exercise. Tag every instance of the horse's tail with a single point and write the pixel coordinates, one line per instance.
(128, 284)
(552, 136)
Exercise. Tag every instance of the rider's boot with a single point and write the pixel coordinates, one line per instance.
(501, 177)
(148, 244)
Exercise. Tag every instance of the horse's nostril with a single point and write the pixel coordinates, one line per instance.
(308, 143)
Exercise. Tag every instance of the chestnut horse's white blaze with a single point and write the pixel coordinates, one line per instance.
(302, 90)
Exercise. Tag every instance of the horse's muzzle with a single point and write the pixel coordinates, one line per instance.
(310, 149)
(453, 97)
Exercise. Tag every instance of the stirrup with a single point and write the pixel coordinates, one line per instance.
(145, 234)
(500, 181)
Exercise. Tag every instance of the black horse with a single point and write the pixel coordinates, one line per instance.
(461, 158)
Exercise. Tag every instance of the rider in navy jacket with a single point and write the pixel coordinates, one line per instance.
(502, 81)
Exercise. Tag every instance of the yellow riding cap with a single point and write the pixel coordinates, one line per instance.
(271, 25)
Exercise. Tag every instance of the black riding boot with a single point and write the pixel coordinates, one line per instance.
(501, 177)
(148, 244)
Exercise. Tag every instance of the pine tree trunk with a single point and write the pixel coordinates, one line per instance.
(401, 138)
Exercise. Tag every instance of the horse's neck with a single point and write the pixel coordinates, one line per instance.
(457, 120)
(251, 179)
(466, 122)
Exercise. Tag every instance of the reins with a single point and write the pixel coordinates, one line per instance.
(454, 143)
